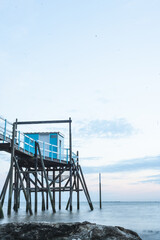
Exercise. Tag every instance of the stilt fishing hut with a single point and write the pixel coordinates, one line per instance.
(40, 166)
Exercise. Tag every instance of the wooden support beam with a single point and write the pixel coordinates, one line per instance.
(1, 211)
(78, 202)
(60, 190)
(3, 193)
(19, 186)
(47, 194)
(66, 183)
(83, 183)
(85, 189)
(15, 207)
(35, 174)
(70, 153)
(54, 187)
(44, 122)
(11, 166)
(27, 191)
(43, 200)
(38, 181)
(22, 185)
(62, 171)
(19, 193)
(29, 185)
(68, 203)
(45, 176)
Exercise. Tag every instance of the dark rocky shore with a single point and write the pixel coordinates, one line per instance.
(64, 231)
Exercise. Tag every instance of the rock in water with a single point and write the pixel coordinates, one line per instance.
(64, 231)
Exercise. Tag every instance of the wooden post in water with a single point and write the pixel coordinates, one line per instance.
(77, 182)
(27, 190)
(70, 153)
(59, 189)
(15, 191)
(54, 197)
(100, 197)
(1, 211)
(11, 166)
(36, 163)
(43, 201)
(47, 192)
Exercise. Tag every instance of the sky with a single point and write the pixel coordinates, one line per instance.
(96, 61)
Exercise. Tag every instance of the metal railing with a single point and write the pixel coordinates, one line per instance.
(26, 144)
(5, 128)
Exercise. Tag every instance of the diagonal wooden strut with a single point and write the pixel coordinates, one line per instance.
(3, 193)
(1, 211)
(23, 188)
(83, 183)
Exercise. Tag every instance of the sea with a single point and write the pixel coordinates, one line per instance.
(141, 217)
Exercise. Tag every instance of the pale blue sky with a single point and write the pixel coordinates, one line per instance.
(97, 62)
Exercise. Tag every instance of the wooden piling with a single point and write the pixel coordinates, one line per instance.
(1, 211)
(3, 193)
(100, 197)
(36, 160)
(78, 205)
(59, 189)
(11, 171)
(15, 190)
(43, 200)
(27, 191)
(70, 153)
(46, 179)
(29, 186)
(22, 185)
(54, 199)
(47, 192)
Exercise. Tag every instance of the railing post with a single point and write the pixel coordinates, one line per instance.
(60, 155)
(52, 151)
(24, 138)
(19, 140)
(5, 126)
(67, 155)
(29, 145)
(44, 150)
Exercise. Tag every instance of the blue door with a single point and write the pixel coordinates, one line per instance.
(53, 141)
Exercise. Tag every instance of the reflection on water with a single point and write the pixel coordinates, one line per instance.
(142, 217)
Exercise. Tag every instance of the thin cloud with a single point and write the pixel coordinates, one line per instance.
(91, 158)
(118, 128)
(132, 165)
(152, 179)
